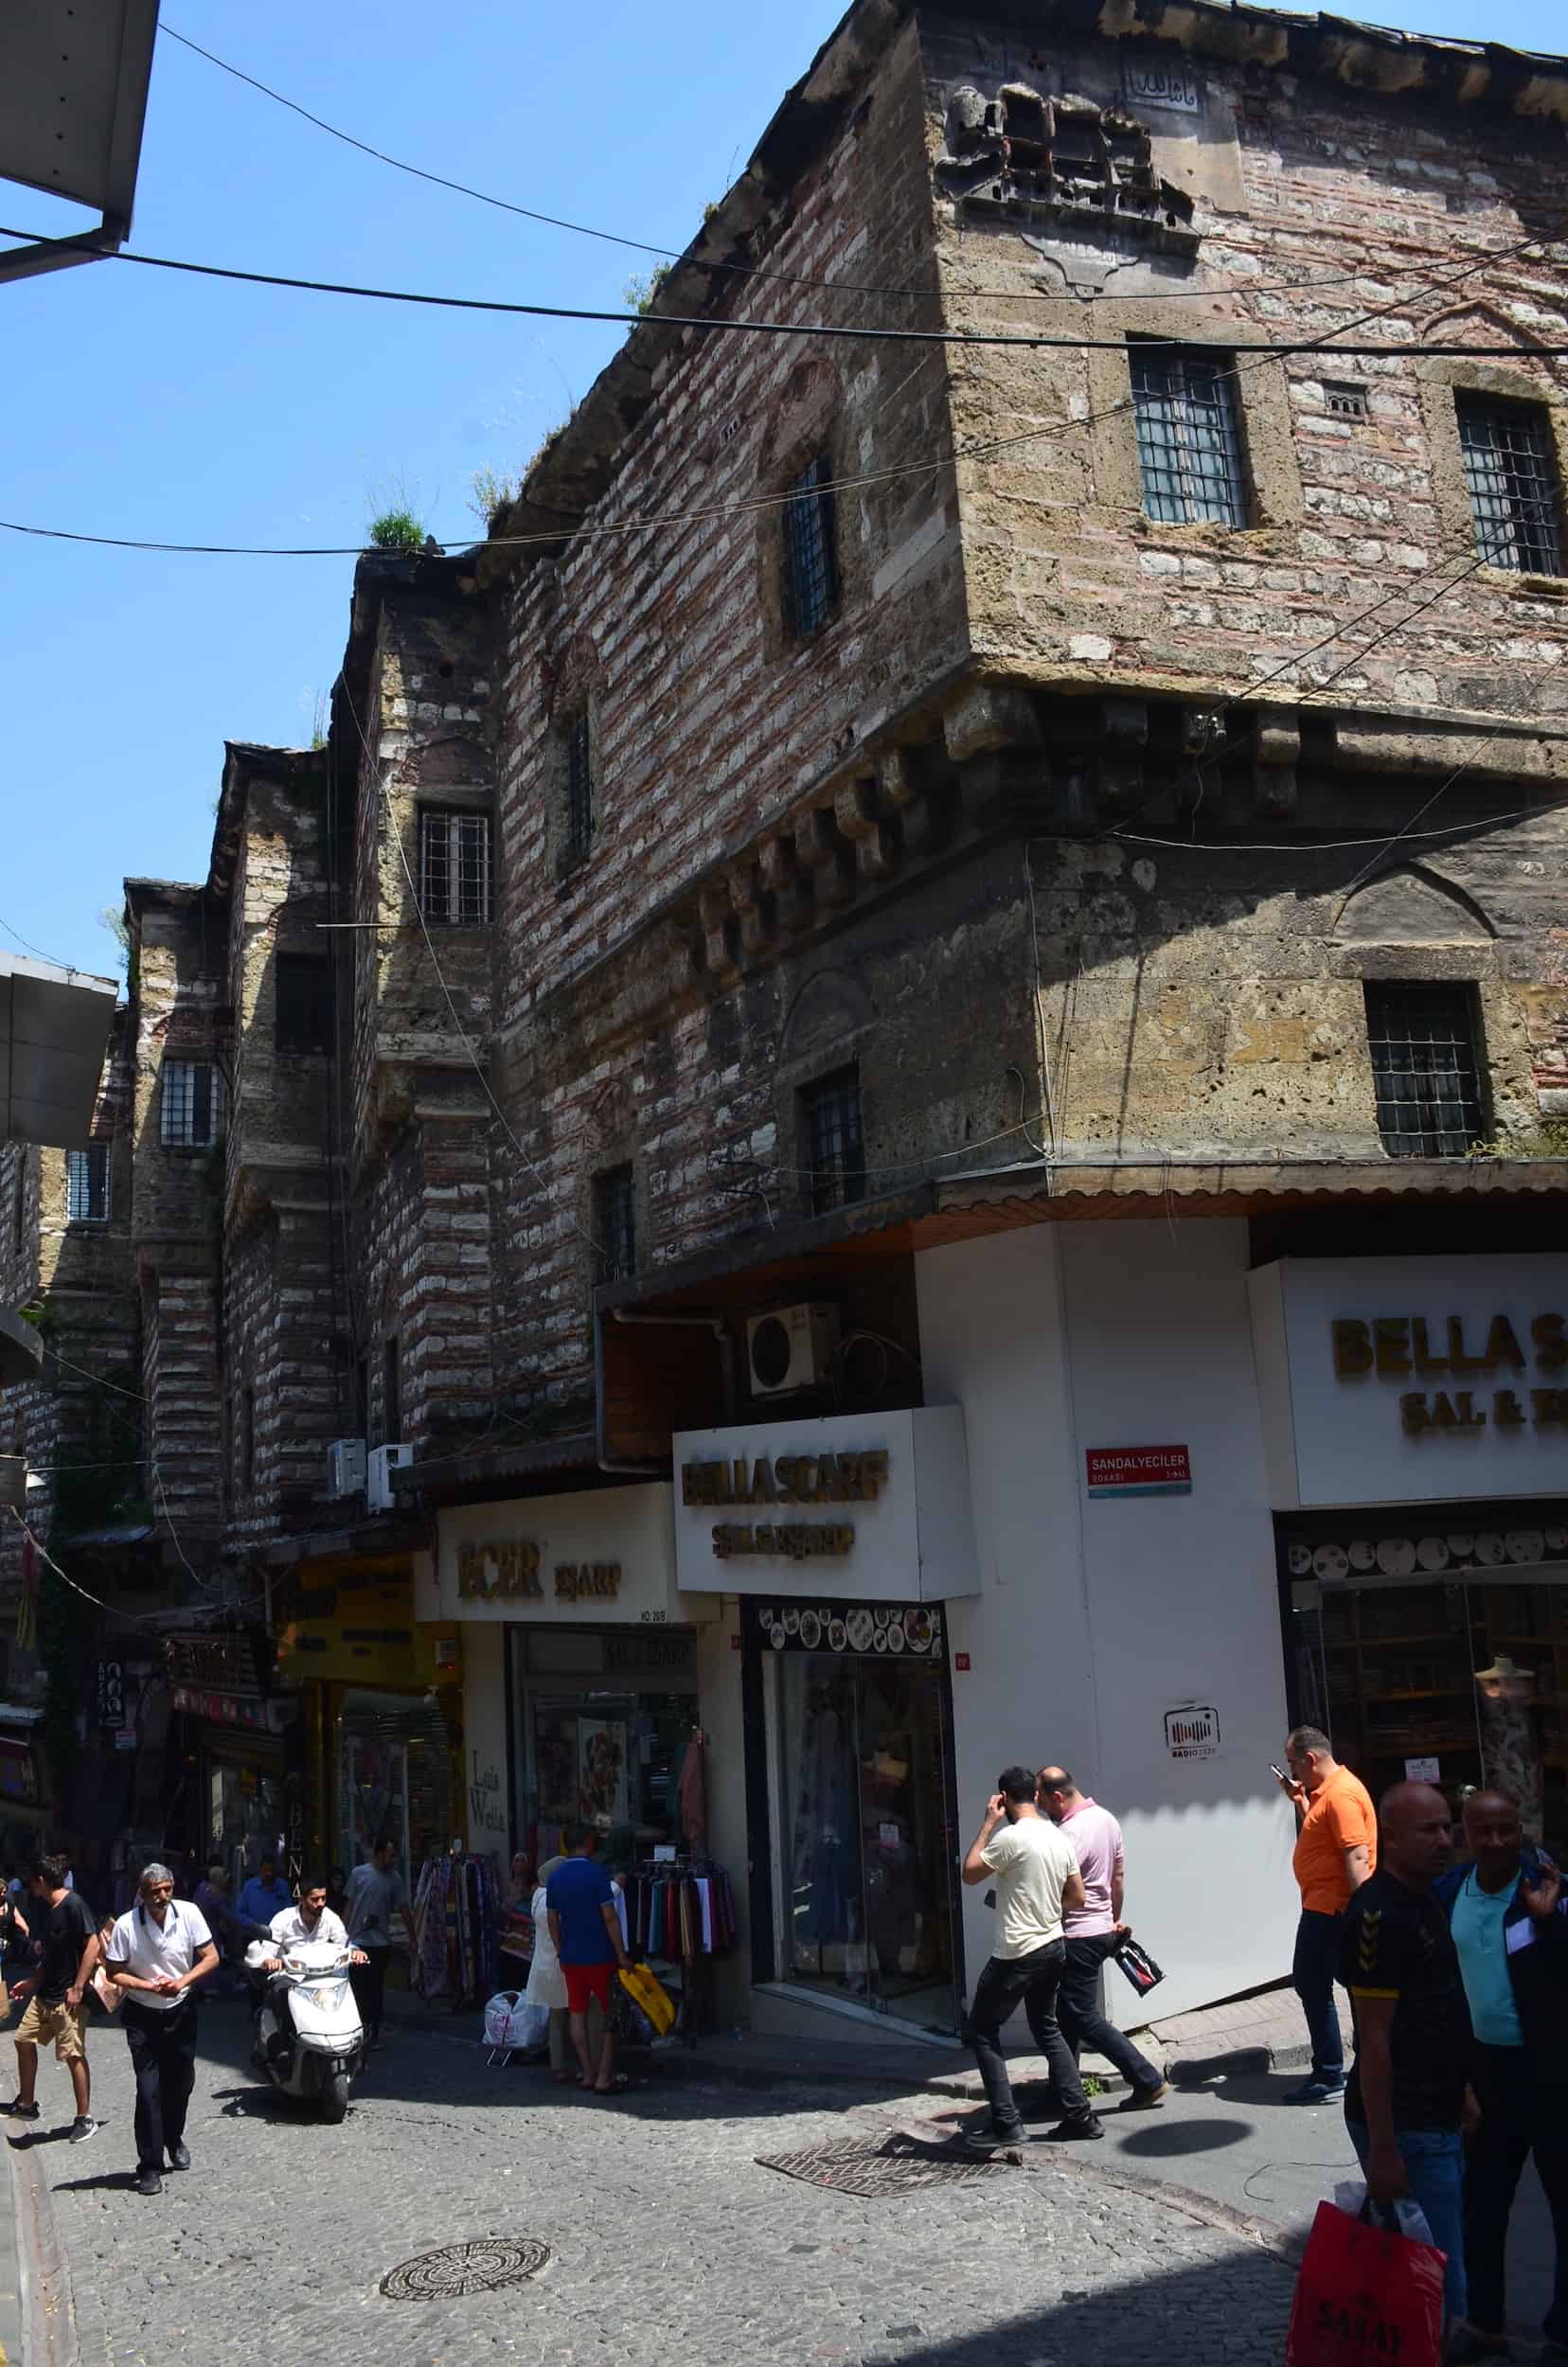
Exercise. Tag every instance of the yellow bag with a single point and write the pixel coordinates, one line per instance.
(648, 1991)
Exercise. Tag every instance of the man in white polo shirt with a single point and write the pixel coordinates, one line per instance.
(156, 1954)
(1037, 1878)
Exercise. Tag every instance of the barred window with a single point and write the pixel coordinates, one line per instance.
(302, 1003)
(1189, 437)
(1425, 1069)
(455, 866)
(579, 784)
(811, 555)
(835, 1152)
(87, 1185)
(191, 1102)
(615, 1223)
(1511, 477)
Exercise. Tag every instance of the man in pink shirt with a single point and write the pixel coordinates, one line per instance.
(1093, 1933)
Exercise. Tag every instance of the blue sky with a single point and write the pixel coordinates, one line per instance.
(144, 403)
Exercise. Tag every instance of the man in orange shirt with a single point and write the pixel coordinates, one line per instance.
(1336, 1849)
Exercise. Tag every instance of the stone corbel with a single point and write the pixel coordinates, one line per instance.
(1277, 752)
(717, 919)
(818, 852)
(1123, 749)
(989, 718)
(791, 893)
(872, 841)
(745, 888)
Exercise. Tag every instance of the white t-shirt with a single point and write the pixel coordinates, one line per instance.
(289, 1928)
(150, 1950)
(1031, 1861)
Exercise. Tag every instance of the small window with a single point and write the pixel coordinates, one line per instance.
(302, 1003)
(1189, 441)
(189, 1105)
(811, 555)
(455, 866)
(1511, 477)
(86, 1185)
(615, 1223)
(835, 1152)
(579, 784)
(1425, 1068)
(391, 1393)
(1343, 399)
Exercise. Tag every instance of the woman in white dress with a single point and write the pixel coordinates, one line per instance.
(547, 1982)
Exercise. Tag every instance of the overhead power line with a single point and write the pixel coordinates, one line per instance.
(714, 263)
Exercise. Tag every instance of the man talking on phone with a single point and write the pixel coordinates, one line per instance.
(1336, 1850)
(1037, 1880)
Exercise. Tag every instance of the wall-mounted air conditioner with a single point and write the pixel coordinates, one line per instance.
(382, 1462)
(791, 1349)
(346, 1467)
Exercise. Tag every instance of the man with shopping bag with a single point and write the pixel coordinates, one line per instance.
(1408, 2095)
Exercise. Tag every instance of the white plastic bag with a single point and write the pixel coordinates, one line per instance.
(511, 2021)
(1409, 2219)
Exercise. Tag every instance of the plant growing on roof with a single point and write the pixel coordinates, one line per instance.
(397, 531)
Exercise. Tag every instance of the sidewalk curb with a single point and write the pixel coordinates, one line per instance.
(1266, 2233)
(48, 2308)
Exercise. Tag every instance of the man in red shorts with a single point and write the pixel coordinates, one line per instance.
(586, 1926)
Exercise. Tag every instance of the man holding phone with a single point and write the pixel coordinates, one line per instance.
(1336, 1850)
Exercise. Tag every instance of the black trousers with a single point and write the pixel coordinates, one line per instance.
(1520, 2115)
(368, 1980)
(1032, 1982)
(1079, 2012)
(1312, 1974)
(163, 2056)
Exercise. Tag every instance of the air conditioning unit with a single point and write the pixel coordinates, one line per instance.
(791, 1349)
(382, 1462)
(346, 1467)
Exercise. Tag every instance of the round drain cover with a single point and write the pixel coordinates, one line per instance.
(482, 2267)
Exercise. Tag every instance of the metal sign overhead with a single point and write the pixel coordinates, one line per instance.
(73, 99)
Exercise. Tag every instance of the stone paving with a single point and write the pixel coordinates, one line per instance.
(671, 2247)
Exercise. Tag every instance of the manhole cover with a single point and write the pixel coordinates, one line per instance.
(894, 2166)
(482, 2267)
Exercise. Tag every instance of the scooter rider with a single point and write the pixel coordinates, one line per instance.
(311, 1918)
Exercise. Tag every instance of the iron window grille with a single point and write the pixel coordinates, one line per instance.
(615, 1223)
(455, 866)
(87, 1185)
(579, 784)
(1189, 438)
(1511, 477)
(1425, 1070)
(835, 1149)
(810, 553)
(190, 1105)
(302, 1003)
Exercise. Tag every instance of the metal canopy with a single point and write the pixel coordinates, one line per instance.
(73, 97)
(53, 1031)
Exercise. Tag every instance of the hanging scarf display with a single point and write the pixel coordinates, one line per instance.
(456, 1929)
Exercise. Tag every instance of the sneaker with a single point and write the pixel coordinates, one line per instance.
(82, 2127)
(1073, 2132)
(985, 2141)
(1145, 2099)
(1315, 2090)
(1467, 2344)
(179, 2157)
(149, 2182)
(17, 2110)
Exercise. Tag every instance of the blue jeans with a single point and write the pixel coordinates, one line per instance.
(1316, 1961)
(1434, 2166)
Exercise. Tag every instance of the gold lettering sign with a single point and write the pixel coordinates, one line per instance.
(502, 1570)
(853, 1477)
(797, 1541)
(1411, 1347)
(582, 1581)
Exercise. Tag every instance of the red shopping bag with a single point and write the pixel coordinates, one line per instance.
(1366, 2295)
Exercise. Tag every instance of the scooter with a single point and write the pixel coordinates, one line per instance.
(309, 2039)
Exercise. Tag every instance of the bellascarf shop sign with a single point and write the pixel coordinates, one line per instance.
(1412, 1379)
(872, 1507)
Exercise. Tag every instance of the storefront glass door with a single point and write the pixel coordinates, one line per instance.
(865, 1853)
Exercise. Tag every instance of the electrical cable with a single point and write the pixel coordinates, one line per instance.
(127, 1618)
(674, 254)
(707, 324)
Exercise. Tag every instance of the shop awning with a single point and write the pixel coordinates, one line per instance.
(73, 99)
(54, 1028)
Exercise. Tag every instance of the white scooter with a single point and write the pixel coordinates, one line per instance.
(309, 2039)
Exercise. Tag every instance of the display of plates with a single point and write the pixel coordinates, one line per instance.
(861, 1629)
(1556, 1540)
(1299, 1557)
(1331, 1561)
(1524, 1545)
(895, 1637)
(1489, 1548)
(1362, 1553)
(917, 1630)
(1396, 1556)
(879, 1639)
(811, 1630)
(1461, 1544)
(1431, 1553)
(837, 1635)
(792, 1623)
(881, 1617)
(775, 1635)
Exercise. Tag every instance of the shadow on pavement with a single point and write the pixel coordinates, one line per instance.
(1166, 2139)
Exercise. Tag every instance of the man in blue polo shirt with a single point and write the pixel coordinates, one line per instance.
(585, 1927)
(265, 1894)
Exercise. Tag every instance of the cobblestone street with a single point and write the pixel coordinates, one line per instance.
(671, 2245)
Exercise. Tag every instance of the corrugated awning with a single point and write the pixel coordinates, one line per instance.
(53, 1031)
